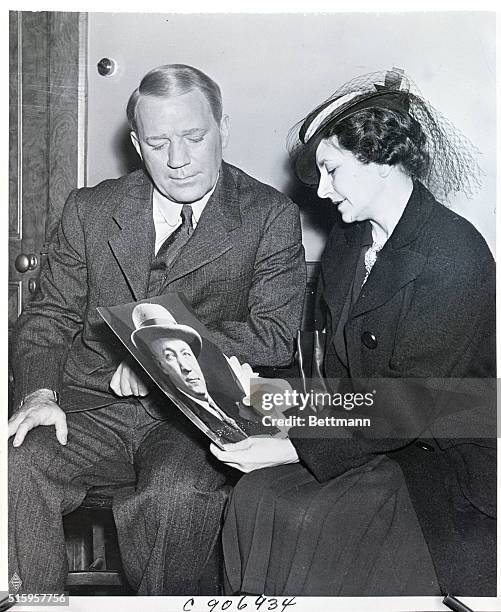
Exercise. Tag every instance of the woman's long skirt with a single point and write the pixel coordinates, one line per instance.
(356, 535)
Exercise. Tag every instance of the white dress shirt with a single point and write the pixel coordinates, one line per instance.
(167, 215)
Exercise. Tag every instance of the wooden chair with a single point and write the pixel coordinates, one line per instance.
(91, 544)
(94, 561)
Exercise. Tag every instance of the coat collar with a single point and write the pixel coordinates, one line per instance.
(398, 263)
(134, 238)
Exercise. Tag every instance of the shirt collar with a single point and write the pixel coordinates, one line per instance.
(171, 211)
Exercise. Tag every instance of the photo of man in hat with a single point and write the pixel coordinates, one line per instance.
(174, 349)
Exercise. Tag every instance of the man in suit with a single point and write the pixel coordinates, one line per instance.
(189, 223)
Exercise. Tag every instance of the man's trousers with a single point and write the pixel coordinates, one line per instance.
(167, 528)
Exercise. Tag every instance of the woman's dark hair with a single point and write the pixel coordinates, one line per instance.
(384, 136)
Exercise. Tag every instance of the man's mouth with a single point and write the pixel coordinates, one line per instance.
(182, 178)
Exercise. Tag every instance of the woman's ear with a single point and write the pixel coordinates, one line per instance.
(385, 170)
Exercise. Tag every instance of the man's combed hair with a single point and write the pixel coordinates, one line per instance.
(175, 80)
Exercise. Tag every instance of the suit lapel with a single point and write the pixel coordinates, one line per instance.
(134, 237)
(211, 237)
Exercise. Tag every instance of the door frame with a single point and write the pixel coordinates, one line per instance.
(47, 135)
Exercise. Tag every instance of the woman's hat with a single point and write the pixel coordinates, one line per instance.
(453, 166)
(153, 321)
(358, 94)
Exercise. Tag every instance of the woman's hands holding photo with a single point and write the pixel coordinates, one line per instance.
(257, 452)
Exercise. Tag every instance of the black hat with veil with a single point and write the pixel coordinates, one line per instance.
(450, 158)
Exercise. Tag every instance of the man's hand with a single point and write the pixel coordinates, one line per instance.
(255, 453)
(39, 408)
(125, 382)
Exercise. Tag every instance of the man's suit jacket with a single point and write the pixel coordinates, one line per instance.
(427, 311)
(242, 272)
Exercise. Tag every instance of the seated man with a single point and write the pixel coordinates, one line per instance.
(189, 223)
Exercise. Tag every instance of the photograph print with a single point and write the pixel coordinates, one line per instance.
(174, 349)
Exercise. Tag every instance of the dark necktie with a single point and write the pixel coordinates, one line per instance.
(171, 246)
(168, 251)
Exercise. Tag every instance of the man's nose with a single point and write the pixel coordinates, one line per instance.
(178, 154)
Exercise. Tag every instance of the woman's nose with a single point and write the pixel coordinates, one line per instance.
(325, 188)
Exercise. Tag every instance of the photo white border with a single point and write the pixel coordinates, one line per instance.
(175, 604)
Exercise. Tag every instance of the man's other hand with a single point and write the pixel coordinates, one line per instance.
(38, 408)
(125, 382)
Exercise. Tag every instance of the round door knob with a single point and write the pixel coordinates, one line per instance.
(24, 262)
(106, 66)
(33, 285)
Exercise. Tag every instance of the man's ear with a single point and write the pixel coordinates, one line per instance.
(224, 130)
(135, 142)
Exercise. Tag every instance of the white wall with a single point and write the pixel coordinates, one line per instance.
(273, 69)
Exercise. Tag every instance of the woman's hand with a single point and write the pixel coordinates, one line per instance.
(255, 453)
(256, 390)
(244, 373)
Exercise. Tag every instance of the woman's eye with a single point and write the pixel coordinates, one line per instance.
(331, 171)
(158, 147)
(198, 139)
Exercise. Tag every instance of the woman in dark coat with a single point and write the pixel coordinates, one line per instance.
(407, 301)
